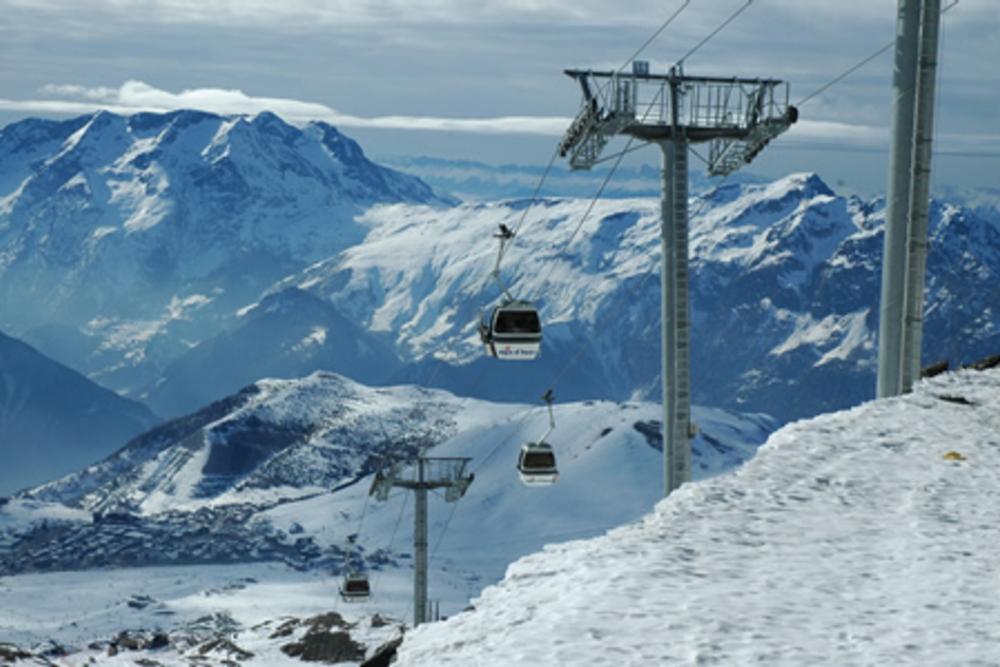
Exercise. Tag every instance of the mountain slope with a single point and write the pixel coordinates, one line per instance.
(148, 231)
(784, 293)
(292, 437)
(53, 420)
(852, 538)
(289, 334)
(281, 472)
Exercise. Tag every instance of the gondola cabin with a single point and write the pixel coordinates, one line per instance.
(537, 464)
(355, 587)
(513, 332)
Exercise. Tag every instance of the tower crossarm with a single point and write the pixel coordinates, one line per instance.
(427, 474)
(738, 116)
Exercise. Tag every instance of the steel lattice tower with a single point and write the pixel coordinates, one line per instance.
(736, 118)
(420, 476)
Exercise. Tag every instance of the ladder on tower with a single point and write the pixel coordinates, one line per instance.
(727, 155)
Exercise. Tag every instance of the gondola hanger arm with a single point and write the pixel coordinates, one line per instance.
(505, 235)
(549, 397)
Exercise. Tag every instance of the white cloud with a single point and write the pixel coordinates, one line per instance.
(99, 94)
(855, 135)
(333, 12)
(137, 96)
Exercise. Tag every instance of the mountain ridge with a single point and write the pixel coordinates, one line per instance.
(123, 227)
(54, 420)
(784, 282)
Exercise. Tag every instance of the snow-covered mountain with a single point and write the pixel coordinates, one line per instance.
(283, 438)
(289, 334)
(243, 515)
(281, 471)
(132, 238)
(151, 253)
(53, 420)
(784, 294)
(857, 538)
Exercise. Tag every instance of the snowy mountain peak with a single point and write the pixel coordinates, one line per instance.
(284, 438)
(124, 210)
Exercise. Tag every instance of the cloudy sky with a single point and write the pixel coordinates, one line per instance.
(483, 80)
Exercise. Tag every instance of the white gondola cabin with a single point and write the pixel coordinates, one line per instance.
(355, 587)
(513, 331)
(537, 464)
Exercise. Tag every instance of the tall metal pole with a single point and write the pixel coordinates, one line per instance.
(920, 194)
(420, 549)
(421, 476)
(737, 118)
(676, 367)
(890, 341)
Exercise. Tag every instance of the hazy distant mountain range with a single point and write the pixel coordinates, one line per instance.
(127, 240)
(176, 258)
(53, 420)
(478, 181)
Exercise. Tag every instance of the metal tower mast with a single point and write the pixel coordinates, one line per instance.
(923, 131)
(737, 118)
(904, 80)
(421, 476)
(906, 220)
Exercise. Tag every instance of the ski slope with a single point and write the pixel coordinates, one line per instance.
(850, 539)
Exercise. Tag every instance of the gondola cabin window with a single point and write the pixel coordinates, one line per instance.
(517, 321)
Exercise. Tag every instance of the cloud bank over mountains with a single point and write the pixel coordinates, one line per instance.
(137, 96)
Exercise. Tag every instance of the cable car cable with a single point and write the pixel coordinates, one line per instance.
(444, 530)
(531, 202)
(364, 507)
(663, 26)
(656, 34)
(392, 538)
(853, 68)
(632, 293)
(600, 191)
(712, 34)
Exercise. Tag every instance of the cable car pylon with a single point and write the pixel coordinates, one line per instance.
(737, 118)
(420, 476)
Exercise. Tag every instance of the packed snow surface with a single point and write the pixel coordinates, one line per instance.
(860, 537)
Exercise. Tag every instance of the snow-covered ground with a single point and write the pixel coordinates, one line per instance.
(865, 537)
(611, 473)
(245, 603)
(855, 538)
